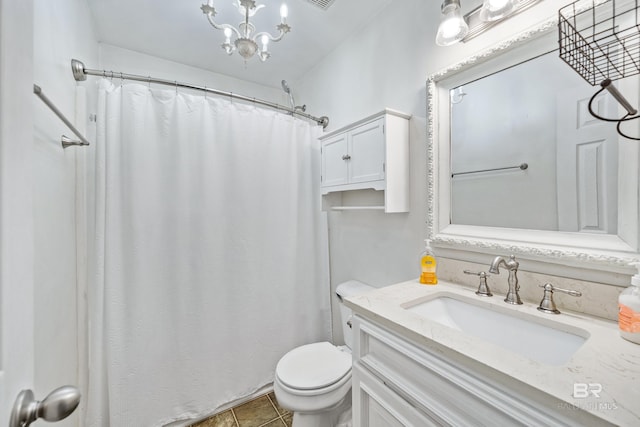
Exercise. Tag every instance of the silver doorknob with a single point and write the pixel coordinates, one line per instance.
(59, 404)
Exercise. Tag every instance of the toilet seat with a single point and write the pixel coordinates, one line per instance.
(313, 367)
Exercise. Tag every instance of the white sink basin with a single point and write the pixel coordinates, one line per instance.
(512, 330)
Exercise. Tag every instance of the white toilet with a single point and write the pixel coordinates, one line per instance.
(314, 380)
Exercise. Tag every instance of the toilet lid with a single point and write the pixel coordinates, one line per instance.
(313, 366)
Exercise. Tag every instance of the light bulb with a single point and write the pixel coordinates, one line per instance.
(497, 4)
(493, 10)
(453, 27)
(265, 41)
(284, 11)
(227, 33)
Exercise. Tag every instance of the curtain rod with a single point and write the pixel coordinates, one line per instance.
(80, 73)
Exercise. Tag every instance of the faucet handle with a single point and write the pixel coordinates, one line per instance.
(476, 273)
(483, 288)
(547, 304)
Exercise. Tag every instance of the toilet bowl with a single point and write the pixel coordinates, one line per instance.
(314, 380)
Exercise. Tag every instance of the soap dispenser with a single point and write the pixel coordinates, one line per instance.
(629, 309)
(428, 266)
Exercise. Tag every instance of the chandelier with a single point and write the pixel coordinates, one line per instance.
(245, 41)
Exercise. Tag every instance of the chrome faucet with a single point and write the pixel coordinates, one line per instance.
(512, 265)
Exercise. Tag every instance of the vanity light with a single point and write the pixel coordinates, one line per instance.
(493, 10)
(453, 27)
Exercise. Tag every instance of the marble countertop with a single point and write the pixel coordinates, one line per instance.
(604, 359)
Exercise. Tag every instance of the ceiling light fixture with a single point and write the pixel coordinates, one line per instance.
(453, 27)
(246, 42)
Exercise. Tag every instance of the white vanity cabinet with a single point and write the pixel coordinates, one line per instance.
(372, 155)
(397, 382)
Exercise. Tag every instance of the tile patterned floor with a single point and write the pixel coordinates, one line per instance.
(262, 411)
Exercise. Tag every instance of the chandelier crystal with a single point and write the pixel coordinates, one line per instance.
(244, 39)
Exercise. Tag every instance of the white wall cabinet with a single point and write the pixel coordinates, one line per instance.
(397, 382)
(371, 154)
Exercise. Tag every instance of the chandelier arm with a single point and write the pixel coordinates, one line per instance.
(222, 26)
(277, 38)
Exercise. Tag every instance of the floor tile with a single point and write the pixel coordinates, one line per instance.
(280, 409)
(288, 419)
(223, 419)
(256, 412)
(275, 423)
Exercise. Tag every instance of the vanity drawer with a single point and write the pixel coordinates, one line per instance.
(376, 405)
(443, 389)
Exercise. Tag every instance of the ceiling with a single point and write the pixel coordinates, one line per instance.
(178, 30)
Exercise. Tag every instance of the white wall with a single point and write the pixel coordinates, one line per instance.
(383, 65)
(16, 203)
(63, 30)
(117, 59)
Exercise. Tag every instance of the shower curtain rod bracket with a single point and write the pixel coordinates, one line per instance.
(77, 67)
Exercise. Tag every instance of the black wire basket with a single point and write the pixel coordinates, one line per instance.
(600, 39)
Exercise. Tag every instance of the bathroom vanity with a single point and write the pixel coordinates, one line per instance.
(440, 355)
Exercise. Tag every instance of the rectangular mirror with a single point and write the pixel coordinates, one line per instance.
(518, 165)
(526, 153)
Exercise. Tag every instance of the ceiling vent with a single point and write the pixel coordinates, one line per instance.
(322, 4)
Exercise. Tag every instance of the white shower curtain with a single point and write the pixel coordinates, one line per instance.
(211, 254)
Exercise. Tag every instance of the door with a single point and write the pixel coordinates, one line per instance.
(335, 161)
(367, 151)
(587, 159)
(16, 208)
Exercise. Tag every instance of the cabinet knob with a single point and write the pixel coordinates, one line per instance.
(346, 157)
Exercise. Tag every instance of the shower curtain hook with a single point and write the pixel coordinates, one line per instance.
(205, 91)
(176, 82)
(149, 82)
(121, 79)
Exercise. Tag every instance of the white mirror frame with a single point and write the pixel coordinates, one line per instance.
(593, 257)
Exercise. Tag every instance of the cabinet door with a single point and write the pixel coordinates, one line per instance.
(335, 161)
(367, 152)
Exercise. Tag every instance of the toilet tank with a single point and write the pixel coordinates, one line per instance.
(347, 289)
